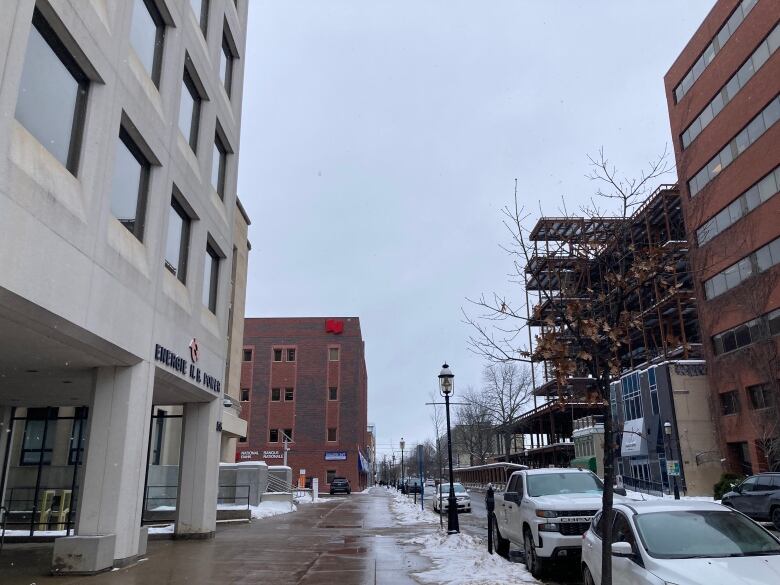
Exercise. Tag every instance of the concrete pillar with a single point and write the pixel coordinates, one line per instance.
(5, 438)
(111, 500)
(228, 449)
(196, 513)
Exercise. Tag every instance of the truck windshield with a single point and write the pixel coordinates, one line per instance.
(563, 483)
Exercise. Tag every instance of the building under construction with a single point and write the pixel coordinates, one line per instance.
(569, 263)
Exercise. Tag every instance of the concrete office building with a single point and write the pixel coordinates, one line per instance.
(305, 379)
(724, 106)
(119, 155)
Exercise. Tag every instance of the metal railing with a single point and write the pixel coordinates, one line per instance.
(277, 485)
(233, 498)
(4, 514)
(53, 510)
(654, 488)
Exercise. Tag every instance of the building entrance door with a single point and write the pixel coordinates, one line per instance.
(40, 481)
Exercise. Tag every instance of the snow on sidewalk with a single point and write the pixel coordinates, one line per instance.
(457, 559)
(462, 559)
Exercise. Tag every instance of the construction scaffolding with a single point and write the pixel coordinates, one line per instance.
(570, 263)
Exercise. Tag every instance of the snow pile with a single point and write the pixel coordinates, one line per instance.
(461, 559)
(407, 512)
(642, 496)
(166, 529)
(268, 509)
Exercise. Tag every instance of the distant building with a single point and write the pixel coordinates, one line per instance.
(722, 93)
(304, 381)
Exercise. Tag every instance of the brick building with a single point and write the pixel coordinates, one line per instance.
(305, 378)
(722, 93)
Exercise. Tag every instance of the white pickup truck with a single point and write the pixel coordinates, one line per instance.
(546, 512)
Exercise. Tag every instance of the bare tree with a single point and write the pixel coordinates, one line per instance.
(506, 391)
(586, 325)
(473, 431)
(438, 422)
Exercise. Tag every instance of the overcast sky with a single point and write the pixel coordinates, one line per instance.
(380, 140)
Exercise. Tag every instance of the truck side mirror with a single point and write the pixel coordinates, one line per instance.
(622, 549)
(621, 491)
(512, 497)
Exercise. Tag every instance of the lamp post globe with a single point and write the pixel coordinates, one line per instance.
(447, 389)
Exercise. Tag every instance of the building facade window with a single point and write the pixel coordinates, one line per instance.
(291, 355)
(766, 188)
(242, 439)
(52, 95)
(201, 10)
(331, 434)
(289, 434)
(226, 58)
(330, 475)
(276, 394)
(760, 56)
(211, 279)
(289, 394)
(745, 334)
(159, 433)
(736, 146)
(178, 241)
(244, 394)
(130, 185)
(333, 393)
(761, 396)
(729, 402)
(632, 396)
(333, 354)
(218, 166)
(277, 355)
(724, 34)
(759, 261)
(189, 110)
(147, 36)
(247, 355)
(78, 430)
(273, 435)
(35, 447)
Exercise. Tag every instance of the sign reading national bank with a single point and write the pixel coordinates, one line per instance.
(179, 364)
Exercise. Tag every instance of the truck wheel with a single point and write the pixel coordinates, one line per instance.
(533, 563)
(501, 544)
(776, 517)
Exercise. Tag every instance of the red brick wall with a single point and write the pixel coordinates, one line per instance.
(762, 225)
(311, 413)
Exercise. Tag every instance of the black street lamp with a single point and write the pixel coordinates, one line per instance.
(403, 479)
(447, 389)
(672, 478)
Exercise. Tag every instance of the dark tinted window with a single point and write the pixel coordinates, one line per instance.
(749, 484)
(130, 185)
(210, 279)
(598, 524)
(621, 530)
(276, 394)
(146, 35)
(52, 95)
(177, 243)
(763, 483)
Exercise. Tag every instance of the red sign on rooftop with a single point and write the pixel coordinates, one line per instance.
(334, 326)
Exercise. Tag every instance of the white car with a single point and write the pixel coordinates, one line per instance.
(663, 542)
(442, 494)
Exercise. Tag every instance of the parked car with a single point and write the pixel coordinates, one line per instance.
(441, 501)
(758, 497)
(430, 483)
(546, 512)
(340, 485)
(682, 542)
(413, 486)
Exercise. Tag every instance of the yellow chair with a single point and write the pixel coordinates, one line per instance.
(63, 509)
(44, 509)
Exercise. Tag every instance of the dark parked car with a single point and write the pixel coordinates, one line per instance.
(758, 497)
(413, 486)
(340, 485)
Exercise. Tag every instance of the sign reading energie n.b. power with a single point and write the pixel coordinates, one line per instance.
(179, 364)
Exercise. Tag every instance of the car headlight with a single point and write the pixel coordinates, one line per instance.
(549, 527)
(547, 514)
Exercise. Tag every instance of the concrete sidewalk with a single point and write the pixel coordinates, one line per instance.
(350, 542)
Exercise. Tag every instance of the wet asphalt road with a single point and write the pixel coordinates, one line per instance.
(476, 524)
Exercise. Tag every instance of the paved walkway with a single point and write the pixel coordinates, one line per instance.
(352, 542)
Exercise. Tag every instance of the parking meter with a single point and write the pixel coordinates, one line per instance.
(490, 504)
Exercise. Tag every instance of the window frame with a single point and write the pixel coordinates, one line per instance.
(180, 271)
(247, 352)
(57, 46)
(213, 291)
(280, 353)
(188, 84)
(230, 58)
(289, 394)
(333, 393)
(290, 352)
(289, 434)
(159, 40)
(334, 435)
(203, 17)
(271, 433)
(221, 151)
(277, 393)
(142, 197)
(331, 351)
(244, 392)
